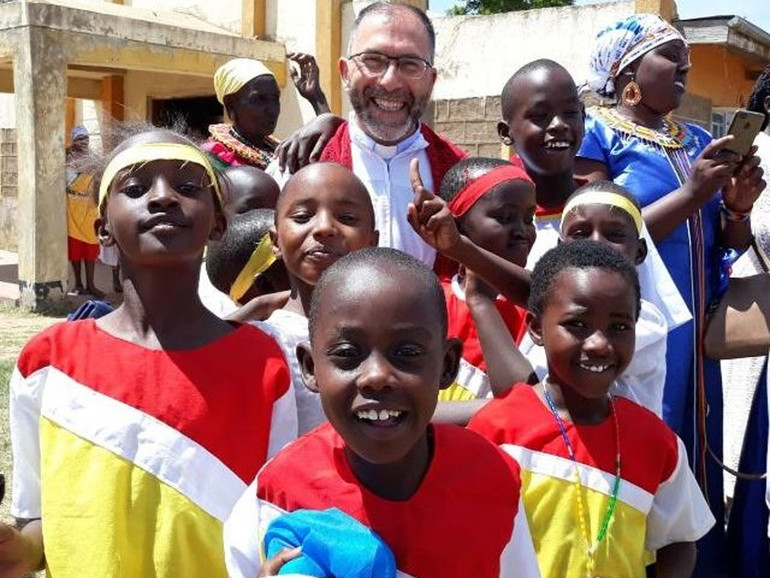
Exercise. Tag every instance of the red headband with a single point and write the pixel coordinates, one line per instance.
(476, 189)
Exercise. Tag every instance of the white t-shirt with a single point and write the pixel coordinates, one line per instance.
(215, 301)
(290, 329)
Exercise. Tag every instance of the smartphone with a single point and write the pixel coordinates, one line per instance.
(744, 127)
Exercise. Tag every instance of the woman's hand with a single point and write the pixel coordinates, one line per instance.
(745, 187)
(305, 78)
(712, 170)
(306, 144)
(430, 216)
(716, 168)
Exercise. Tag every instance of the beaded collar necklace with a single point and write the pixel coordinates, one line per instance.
(591, 547)
(670, 136)
(229, 137)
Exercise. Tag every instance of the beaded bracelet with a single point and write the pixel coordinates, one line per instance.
(734, 216)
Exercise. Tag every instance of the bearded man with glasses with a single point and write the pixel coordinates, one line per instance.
(388, 77)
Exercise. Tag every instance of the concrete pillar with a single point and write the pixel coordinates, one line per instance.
(70, 118)
(113, 107)
(328, 39)
(40, 81)
(253, 18)
(666, 9)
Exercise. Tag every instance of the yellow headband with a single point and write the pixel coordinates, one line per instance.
(148, 152)
(235, 74)
(259, 262)
(604, 198)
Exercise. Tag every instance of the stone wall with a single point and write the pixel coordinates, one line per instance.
(8, 190)
(471, 123)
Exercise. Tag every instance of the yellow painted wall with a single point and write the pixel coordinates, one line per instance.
(720, 75)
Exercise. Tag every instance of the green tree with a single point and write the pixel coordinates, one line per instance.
(497, 6)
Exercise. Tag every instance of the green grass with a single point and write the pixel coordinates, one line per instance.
(6, 368)
(16, 327)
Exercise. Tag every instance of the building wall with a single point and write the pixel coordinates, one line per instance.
(710, 62)
(471, 123)
(472, 74)
(224, 13)
(469, 67)
(9, 200)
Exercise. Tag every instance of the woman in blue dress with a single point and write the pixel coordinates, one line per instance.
(676, 171)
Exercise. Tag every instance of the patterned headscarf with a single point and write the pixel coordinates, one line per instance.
(234, 74)
(624, 42)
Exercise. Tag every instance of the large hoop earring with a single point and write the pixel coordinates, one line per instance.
(632, 94)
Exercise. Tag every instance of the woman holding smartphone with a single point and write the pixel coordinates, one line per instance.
(676, 172)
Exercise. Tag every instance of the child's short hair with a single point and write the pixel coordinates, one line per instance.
(464, 172)
(605, 187)
(356, 263)
(506, 97)
(302, 173)
(226, 259)
(580, 254)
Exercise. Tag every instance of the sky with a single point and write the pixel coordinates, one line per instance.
(755, 11)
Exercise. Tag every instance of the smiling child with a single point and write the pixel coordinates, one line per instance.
(379, 459)
(543, 122)
(603, 479)
(605, 212)
(493, 203)
(323, 213)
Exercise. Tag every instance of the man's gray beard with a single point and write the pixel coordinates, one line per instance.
(385, 134)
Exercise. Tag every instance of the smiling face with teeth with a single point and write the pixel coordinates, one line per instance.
(543, 119)
(388, 107)
(379, 357)
(587, 327)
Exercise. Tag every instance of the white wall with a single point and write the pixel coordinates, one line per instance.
(89, 114)
(292, 22)
(223, 13)
(7, 111)
(476, 55)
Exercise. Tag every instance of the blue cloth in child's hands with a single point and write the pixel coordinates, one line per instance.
(334, 545)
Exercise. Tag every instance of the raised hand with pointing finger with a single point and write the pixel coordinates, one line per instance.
(430, 216)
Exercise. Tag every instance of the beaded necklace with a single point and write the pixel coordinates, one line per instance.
(229, 137)
(591, 548)
(670, 136)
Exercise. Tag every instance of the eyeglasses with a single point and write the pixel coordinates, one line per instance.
(376, 64)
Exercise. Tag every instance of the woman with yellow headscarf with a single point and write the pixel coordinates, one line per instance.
(251, 96)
